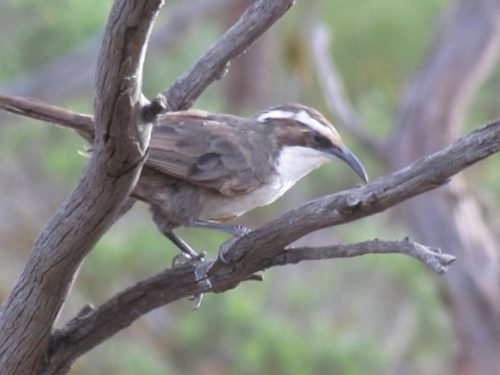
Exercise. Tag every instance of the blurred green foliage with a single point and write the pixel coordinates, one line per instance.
(38, 31)
(336, 317)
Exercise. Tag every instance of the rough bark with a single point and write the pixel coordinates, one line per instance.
(92, 326)
(120, 137)
(267, 246)
(119, 151)
(121, 142)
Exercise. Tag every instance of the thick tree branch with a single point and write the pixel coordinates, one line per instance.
(266, 246)
(430, 116)
(453, 159)
(120, 141)
(119, 152)
(93, 326)
(259, 17)
(423, 175)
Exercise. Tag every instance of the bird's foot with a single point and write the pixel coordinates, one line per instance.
(185, 258)
(200, 271)
(234, 230)
(224, 248)
(240, 230)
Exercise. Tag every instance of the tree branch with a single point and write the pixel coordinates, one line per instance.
(81, 123)
(431, 113)
(431, 257)
(259, 17)
(120, 141)
(119, 152)
(434, 175)
(93, 326)
(266, 246)
(334, 92)
(57, 79)
(423, 175)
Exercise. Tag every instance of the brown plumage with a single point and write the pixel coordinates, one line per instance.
(213, 167)
(211, 151)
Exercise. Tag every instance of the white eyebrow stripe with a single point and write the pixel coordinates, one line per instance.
(306, 119)
(275, 114)
(301, 116)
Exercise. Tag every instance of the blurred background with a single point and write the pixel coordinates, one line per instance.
(416, 84)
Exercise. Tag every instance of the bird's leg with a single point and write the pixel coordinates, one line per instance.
(188, 254)
(235, 230)
(186, 251)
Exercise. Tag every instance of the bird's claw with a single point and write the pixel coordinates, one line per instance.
(201, 274)
(224, 248)
(241, 230)
(184, 258)
(197, 299)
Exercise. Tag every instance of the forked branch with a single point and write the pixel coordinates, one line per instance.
(267, 246)
(120, 132)
(92, 326)
(117, 118)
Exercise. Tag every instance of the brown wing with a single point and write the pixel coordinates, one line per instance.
(206, 150)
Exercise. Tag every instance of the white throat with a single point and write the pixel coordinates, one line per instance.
(295, 162)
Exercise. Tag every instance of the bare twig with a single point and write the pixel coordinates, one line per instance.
(211, 66)
(81, 123)
(93, 326)
(423, 175)
(431, 257)
(90, 328)
(333, 89)
(261, 15)
(57, 79)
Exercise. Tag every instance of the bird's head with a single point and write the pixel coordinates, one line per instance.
(311, 136)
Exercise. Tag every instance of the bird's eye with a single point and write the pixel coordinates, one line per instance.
(320, 140)
(317, 138)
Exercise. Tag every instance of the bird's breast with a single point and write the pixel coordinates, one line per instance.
(292, 164)
(223, 207)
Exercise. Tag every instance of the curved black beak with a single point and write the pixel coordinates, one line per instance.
(346, 155)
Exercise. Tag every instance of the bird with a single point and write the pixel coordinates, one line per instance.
(215, 167)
